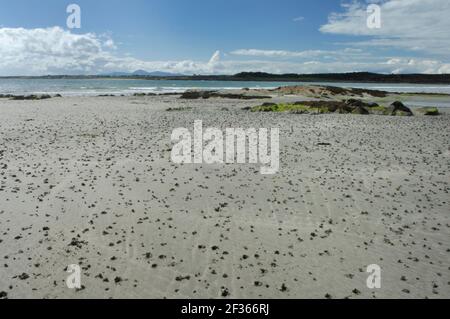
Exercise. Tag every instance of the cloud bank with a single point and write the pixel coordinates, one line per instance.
(57, 51)
(416, 30)
(413, 25)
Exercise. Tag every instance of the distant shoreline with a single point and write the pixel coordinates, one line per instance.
(361, 77)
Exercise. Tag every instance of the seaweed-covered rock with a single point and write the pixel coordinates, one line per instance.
(331, 106)
(429, 111)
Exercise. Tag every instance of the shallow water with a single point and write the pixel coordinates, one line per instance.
(83, 87)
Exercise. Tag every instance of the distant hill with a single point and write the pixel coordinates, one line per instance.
(142, 73)
(365, 77)
(155, 73)
(116, 74)
(357, 77)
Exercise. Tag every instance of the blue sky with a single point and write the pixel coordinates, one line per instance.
(223, 36)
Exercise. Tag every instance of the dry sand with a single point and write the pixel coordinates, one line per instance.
(89, 181)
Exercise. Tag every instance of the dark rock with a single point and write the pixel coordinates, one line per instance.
(360, 110)
(194, 95)
(181, 278)
(30, 97)
(331, 106)
(18, 97)
(24, 276)
(225, 292)
(358, 106)
(268, 104)
(354, 102)
(430, 111)
(77, 243)
(356, 292)
(170, 94)
(398, 108)
(354, 91)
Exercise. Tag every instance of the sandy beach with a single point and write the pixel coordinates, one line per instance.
(89, 181)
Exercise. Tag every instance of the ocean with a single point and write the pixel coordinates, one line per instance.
(89, 87)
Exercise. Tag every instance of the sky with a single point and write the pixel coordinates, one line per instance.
(224, 36)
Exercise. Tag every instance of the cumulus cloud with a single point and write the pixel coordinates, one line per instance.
(276, 53)
(50, 50)
(298, 54)
(414, 25)
(393, 65)
(57, 51)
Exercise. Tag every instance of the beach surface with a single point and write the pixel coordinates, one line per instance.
(89, 181)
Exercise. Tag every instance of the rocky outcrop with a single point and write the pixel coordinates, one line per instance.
(142, 94)
(429, 111)
(31, 97)
(351, 106)
(328, 91)
(359, 103)
(399, 109)
(194, 95)
(341, 107)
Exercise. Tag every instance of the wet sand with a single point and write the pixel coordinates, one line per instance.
(89, 181)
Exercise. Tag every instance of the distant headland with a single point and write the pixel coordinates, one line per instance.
(364, 77)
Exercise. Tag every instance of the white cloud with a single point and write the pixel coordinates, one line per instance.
(394, 65)
(299, 54)
(415, 25)
(50, 50)
(276, 53)
(58, 51)
(215, 58)
(298, 19)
